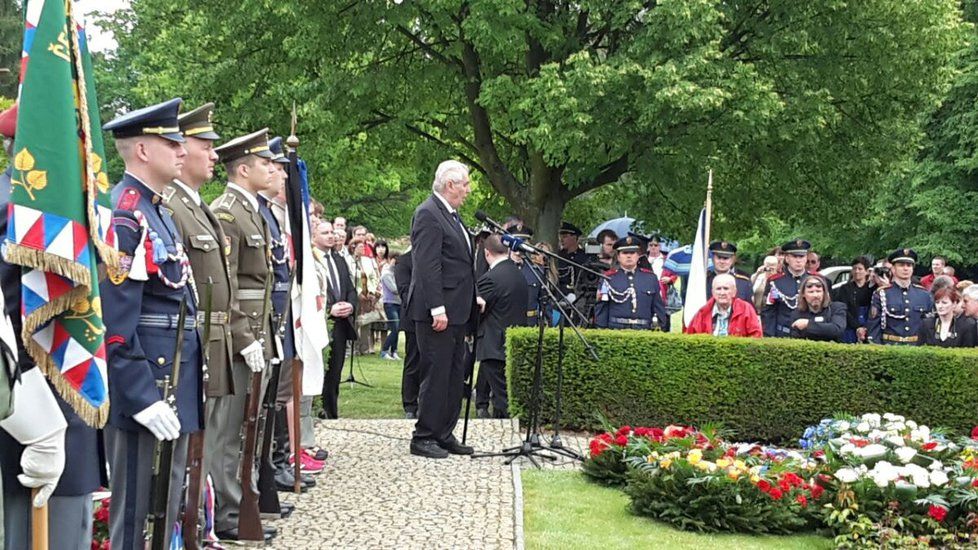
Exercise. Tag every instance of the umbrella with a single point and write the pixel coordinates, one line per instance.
(679, 260)
(621, 227)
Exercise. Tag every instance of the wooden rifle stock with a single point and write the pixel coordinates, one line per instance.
(268, 493)
(249, 519)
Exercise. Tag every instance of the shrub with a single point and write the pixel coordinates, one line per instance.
(767, 389)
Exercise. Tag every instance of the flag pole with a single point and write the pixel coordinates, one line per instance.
(709, 213)
(297, 365)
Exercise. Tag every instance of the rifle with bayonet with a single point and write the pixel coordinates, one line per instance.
(249, 516)
(159, 492)
(195, 448)
(268, 501)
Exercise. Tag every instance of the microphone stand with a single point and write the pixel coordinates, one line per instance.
(531, 446)
(356, 331)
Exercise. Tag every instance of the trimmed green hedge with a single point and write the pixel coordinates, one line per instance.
(767, 389)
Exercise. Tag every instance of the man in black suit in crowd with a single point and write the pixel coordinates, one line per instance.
(441, 303)
(502, 297)
(341, 302)
(411, 379)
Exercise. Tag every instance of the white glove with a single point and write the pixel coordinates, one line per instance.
(254, 356)
(39, 424)
(160, 420)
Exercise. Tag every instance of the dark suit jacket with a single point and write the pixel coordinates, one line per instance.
(402, 278)
(826, 325)
(347, 293)
(442, 273)
(505, 291)
(962, 334)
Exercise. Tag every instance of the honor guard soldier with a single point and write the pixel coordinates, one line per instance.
(531, 273)
(781, 294)
(567, 275)
(41, 429)
(897, 311)
(247, 160)
(630, 297)
(724, 259)
(284, 350)
(143, 299)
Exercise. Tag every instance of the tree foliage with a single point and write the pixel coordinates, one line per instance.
(799, 107)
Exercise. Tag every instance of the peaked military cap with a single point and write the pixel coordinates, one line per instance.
(278, 153)
(198, 123)
(723, 249)
(521, 231)
(797, 247)
(255, 143)
(643, 241)
(567, 228)
(628, 244)
(908, 255)
(155, 120)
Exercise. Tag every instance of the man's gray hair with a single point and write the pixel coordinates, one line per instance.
(724, 278)
(449, 170)
(970, 292)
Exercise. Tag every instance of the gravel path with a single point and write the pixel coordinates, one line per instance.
(375, 494)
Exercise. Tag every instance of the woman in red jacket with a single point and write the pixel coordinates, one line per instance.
(725, 314)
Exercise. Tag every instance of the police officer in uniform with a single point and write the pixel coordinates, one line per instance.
(630, 297)
(724, 259)
(567, 275)
(781, 293)
(143, 297)
(247, 160)
(531, 273)
(897, 311)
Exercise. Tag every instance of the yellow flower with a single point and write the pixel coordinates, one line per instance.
(754, 478)
(733, 474)
(666, 463)
(723, 462)
(704, 465)
(651, 458)
(695, 456)
(739, 464)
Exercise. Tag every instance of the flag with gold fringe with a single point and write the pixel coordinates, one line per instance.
(59, 220)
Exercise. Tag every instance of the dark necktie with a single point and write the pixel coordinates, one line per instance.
(334, 281)
(461, 228)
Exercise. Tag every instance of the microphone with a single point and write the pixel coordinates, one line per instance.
(482, 217)
(517, 244)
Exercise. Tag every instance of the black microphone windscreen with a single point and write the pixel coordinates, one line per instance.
(480, 215)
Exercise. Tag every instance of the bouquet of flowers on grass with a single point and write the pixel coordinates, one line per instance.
(608, 450)
(894, 480)
(726, 487)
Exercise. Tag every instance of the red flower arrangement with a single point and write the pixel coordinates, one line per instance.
(937, 512)
(974, 433)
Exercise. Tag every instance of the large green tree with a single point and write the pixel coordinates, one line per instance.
(798, 106)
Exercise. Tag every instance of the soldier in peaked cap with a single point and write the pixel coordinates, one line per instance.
(271, 204)
(724, 259)
(781, 294)
(568, 275)
(630, 298)
(897, 311)
(145, 295)
(247, 160)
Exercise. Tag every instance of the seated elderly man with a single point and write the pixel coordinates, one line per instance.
(725, 314)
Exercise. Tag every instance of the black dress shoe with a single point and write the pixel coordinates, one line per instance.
(410, 415)
(285, 481)
(270, 532)
(454, 447)
(232, 534)
(318, 454)
(307, 480)
(321, 415)
(428, 448)
(482, 413)
(286, 509)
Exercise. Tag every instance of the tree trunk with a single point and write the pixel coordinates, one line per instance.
(548, 198)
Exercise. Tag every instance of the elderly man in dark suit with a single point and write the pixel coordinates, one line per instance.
(502, 297)
(441, 303)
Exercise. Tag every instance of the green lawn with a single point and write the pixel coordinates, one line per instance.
(563, 511)
(383, 400)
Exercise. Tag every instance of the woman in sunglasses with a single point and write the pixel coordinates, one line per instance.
(817, 316)
(946, 329)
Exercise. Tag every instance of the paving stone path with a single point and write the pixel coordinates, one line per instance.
(374, 494)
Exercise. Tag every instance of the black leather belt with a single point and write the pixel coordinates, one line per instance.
(632, 322)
